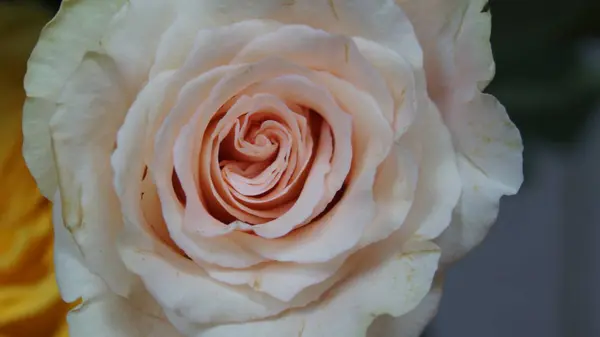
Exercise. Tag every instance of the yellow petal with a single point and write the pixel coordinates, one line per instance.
(30, 304)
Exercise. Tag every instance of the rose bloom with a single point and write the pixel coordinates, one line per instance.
(264, 168)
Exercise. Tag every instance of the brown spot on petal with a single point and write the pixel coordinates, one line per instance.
(257, 284)
(145, 173)
(302, 327)
(514, 144)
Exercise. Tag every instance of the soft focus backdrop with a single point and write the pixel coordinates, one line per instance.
(535, 275)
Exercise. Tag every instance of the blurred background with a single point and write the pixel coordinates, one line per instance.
(538, 271)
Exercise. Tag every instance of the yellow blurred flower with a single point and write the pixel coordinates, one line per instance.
(30, 305)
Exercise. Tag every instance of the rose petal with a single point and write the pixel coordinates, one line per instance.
(320, 50)
(140, 205)
(230, 39)
(76, 28)
(182, 287)
(101, 311)
(489, 167)
(111, 315)
(394, 191)
(400, 77)
(142, 21)
(459, 63)
(455, 38)
(381, 21)
(74, 279)
(439, 187)
(394, 285)
(414, 322)
(284, 281)
(82, 145)
(485, 135)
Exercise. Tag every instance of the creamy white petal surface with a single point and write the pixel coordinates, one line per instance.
(459, 64)
(265, 168)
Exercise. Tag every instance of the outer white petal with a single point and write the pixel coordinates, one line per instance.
(438, 189)
(401, 78)
(133, 37)
(76, 29)
(183, 288)
(113, 316)
(474, 214)
(101, 313)
(394, 285)
(82, 144)
(133, 183)
(377, 20)
(74, 279)
(413, 323)
(438, 185)
(458, 61)
(316, 49)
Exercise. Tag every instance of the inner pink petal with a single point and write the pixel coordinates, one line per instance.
(268, 165)
(301, 89)
(290, 184)
(251, 179)
(252, 146)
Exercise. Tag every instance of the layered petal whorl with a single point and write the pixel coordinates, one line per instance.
(228, 168)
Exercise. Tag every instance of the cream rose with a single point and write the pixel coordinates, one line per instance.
(264, 168)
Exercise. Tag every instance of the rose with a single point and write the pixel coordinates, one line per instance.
(264, 168)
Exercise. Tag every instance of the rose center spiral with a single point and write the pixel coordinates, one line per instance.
(261, 158)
